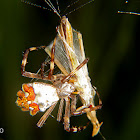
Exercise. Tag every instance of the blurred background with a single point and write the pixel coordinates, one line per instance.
(111, 42)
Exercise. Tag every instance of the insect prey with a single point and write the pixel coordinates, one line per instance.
(67, 52)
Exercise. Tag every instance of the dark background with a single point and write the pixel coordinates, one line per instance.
(111, 42)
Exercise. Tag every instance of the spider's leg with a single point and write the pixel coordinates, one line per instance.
(42, 67)
(90, 110)
(67, 114)
(73, 106)
(60, 110)
(67, 119)
(51, 63)
(84, 109)
(73, 103)
(24, 62)
(75, 70)
(52, 60)
(45, 116)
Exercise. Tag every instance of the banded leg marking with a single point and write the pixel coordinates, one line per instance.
(52, 60)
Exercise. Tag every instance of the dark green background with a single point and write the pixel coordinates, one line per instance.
(111, 42)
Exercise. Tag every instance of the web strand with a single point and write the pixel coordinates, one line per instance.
(36, 5)
(130, 13)
(58, 6)
(70, 5)
(79, 7)
(52, 7)
(57, 11)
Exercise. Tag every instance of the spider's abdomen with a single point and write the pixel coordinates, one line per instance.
(36, 97)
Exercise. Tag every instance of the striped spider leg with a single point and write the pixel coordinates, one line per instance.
(39, 96)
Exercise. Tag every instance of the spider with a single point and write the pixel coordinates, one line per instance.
(39, 96)
(67, 52)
